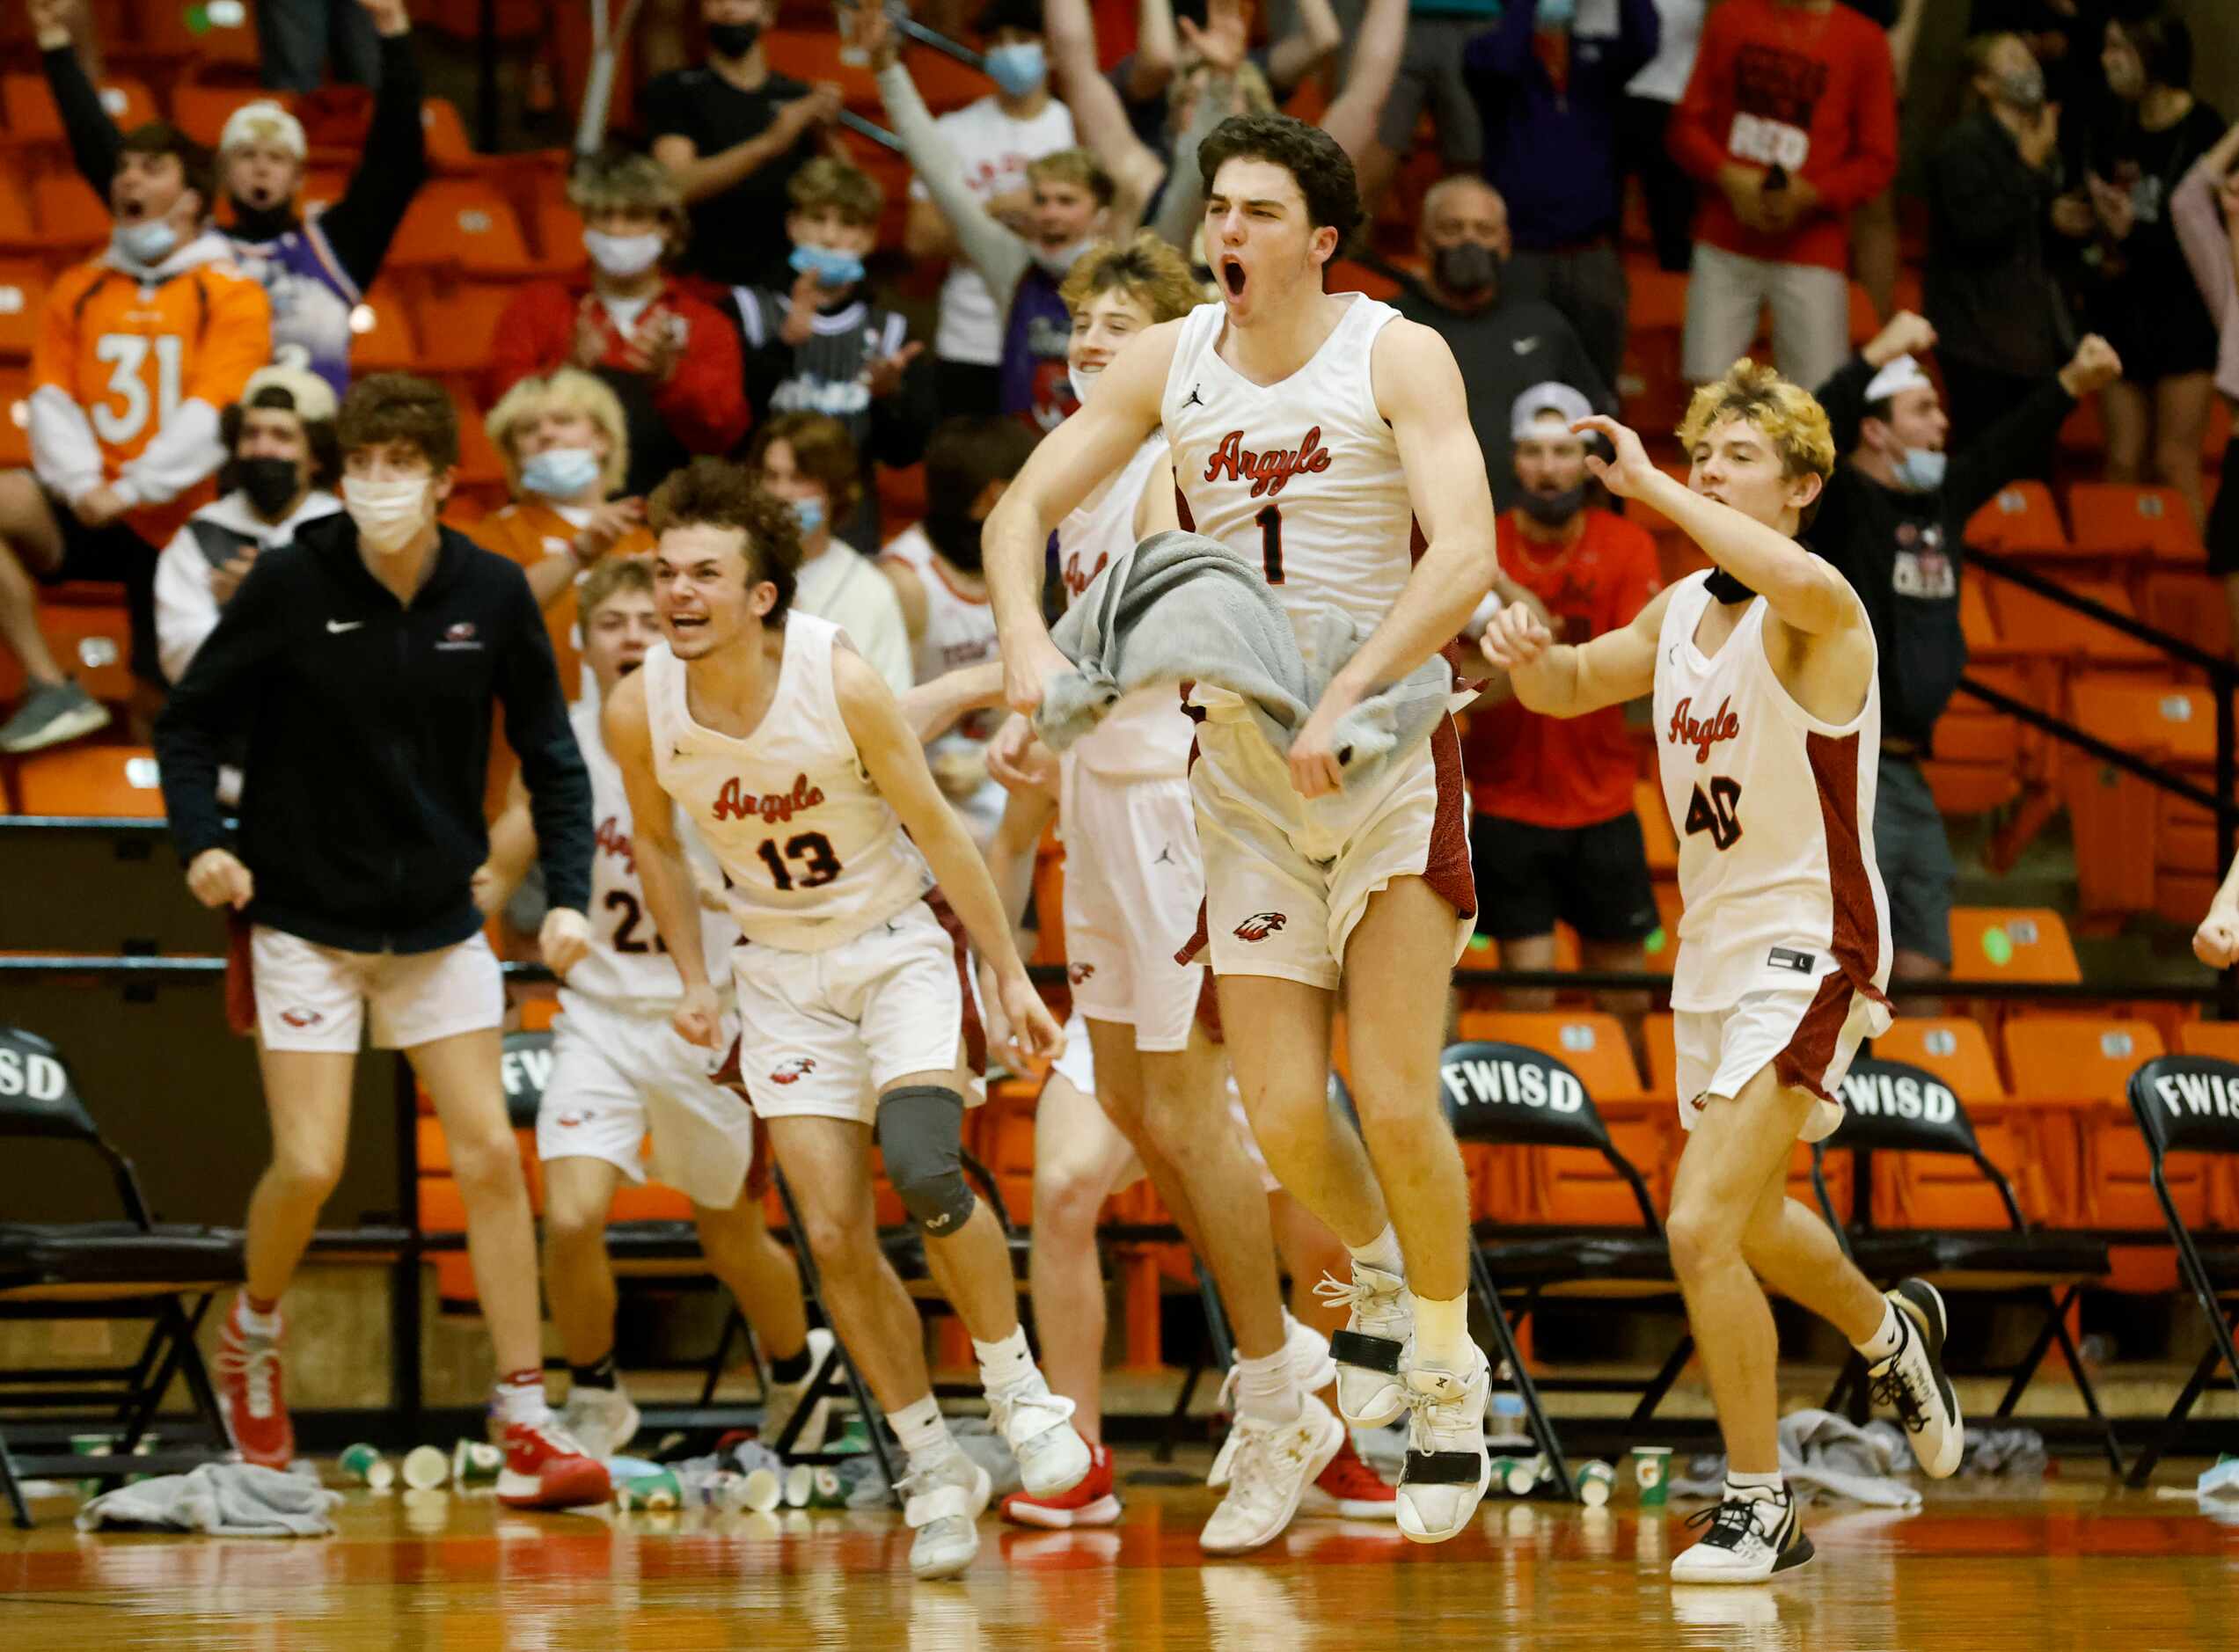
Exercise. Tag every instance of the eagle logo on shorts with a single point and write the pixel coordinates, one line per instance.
(301, 1018)
(1078, 973)
(1260, 925)
(791, 1071)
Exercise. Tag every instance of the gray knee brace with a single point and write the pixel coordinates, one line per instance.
(921, 1133)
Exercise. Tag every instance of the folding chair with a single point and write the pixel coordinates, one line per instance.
(1507, 1095)
(2190, 1104)
(1895, 1108)
(132, 1268)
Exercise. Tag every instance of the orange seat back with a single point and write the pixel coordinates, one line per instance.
(1590, 1043)
(2004, 943)
(2022, 519)
(2127, 519)
(113, 782)
(1954, 1048)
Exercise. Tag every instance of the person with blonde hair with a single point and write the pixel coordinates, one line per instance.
(671, 357)
(1767, 721)
(566, 443)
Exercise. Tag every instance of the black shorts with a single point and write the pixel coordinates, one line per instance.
(1593, 878)
(112, 555)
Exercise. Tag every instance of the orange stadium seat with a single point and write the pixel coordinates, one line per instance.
(1663, 1059)
(323, 187)
(1662, 944)
(560, 239)
(201, 111)
(2189, 606)
(383, 339)
(1954, 1048)
(1655, 830)
(458, 330)
(23, 295)
(444, 134)
(2021, 519)
(2220, 1039)
(72, 219)
(1590, 1043)
(2125, 519)
(2002, 943)
(455, 224)
(112, 782)
(2114, 814)
(32, 119)
(2028, 624)
(2084, 1064)
(15, 418)
(92, 643)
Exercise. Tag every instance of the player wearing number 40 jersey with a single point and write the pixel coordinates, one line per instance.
(620, 1072)
(793, 760)
(1769, 732)
(1326, 441)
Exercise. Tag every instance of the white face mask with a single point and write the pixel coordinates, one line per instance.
(388, 514)
(623, 255)
(1084, 380)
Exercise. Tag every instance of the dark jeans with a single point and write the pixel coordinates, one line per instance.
(298, 37)
(1588, 285)
(1667, 189)
(1976, 398)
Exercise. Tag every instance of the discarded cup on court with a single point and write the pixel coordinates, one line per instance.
(365, 1465)
(827, 1489)
(476, 1463)
(90, 1445)
(426, 1467)
(638, 1484)
(1596, 1480)
(1652, 1474)
(800, 1485)
(761, 1491)
(1518, 1474)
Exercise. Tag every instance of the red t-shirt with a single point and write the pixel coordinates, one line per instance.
(1813, 90)
(1556, 770)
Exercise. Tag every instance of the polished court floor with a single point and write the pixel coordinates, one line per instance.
(2073, 1563)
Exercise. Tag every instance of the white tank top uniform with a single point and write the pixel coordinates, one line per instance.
(847, 979)
(959, 631)
(1304, 478)
(1134, 877)
(1784, 949)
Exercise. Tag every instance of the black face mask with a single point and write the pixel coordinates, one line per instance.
(1552, 510)
(269, 483)
(733, 40)
(1724, 587)
(958, 538)
(1469, 267)
(261, 223)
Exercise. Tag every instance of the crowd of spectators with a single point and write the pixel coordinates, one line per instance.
(740, 296)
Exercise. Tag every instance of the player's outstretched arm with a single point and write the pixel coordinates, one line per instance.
(932, 707)
(896, 764)
(1805, 593)
(670, 896)
(1560, 680)
(1419, 389)
(1066, 468)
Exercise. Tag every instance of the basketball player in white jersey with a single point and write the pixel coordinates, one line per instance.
(1769, 732)
(934, 565)
(793, 760)
(619, 1072)
(1328, 442)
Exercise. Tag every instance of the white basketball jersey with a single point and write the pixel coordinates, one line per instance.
(1147, 735)
(1304, 477)
(1775, 816)
(627, 964)
(813, 855)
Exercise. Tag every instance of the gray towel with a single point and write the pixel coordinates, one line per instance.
(1820, 1453)
(1180, 608)
(226, 1499)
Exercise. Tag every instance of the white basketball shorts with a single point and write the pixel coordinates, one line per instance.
(1134, 884)
(316, 997)
(619, 1072)
(1287, 879)
(820, 1032)
(1809, 1034)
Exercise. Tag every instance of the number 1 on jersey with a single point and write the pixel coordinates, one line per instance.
(1270, 522)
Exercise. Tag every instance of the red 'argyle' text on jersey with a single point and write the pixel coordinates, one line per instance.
(733, 804)
(1688, 731)
(1269, 469)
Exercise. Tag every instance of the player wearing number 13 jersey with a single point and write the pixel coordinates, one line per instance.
(1769, 732)
(137, 353)
(793, 760)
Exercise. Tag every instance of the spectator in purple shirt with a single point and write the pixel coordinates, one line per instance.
(1550, 87)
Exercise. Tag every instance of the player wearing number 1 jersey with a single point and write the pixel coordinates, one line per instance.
(1768, 734)
(1327, 441)
(791, 759)
(137, 351)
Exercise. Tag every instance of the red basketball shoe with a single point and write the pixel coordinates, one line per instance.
(545, 1469)
(249, 1383)
(1091, 1503)
(1350, 1489)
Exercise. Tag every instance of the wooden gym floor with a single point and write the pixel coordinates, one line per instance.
(2075, 1563)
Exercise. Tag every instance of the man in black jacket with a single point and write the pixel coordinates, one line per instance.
(315, 269)
(1891, 518)
(363, 661)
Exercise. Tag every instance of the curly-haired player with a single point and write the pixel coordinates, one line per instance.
(1768, 734)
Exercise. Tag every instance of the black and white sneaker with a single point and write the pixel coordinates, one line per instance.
(1754, 1535)
(1912, 1382)
(1377, 1344)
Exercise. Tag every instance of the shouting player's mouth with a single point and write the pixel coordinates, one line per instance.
(1231, 274)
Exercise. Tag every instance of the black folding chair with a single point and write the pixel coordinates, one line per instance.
(128, 1268)
(1506, 1095)
(2190, 1104)
(1894, 1108)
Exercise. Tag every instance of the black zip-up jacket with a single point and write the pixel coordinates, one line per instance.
(369, 727)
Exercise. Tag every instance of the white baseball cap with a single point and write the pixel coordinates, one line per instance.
(313, 396)
(1553, 396)
(1902, 374)
(263, 121)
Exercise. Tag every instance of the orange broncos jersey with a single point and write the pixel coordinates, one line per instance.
(130, 356)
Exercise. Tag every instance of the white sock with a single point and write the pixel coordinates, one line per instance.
(1006, 1364)
(1265, 1390)
(253, 1323)
(1888, 1340)
(1382, 1252)
(923, 1431)
(521, 1398)
(1441, 1334)
(1771, 1483)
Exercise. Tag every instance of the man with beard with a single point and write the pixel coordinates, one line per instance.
(1504, 345)
(1554, 835)
(316, 268)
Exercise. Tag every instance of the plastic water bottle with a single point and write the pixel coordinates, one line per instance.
(1506, 1435)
